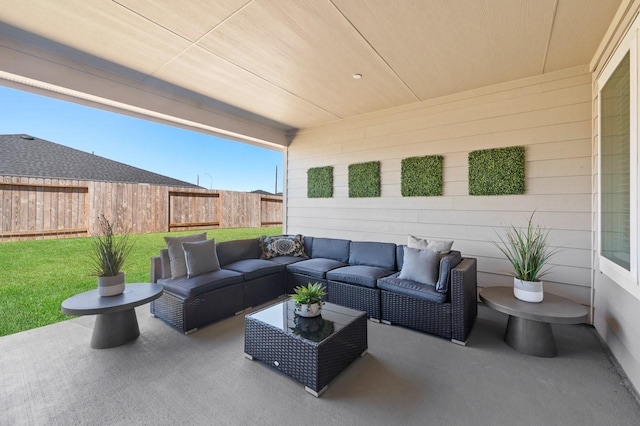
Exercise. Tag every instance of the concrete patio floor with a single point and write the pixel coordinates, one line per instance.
(50, 376)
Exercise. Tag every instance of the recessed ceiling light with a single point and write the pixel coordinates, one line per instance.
(357, 76)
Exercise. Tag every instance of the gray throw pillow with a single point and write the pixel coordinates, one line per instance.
(420, 265)
(176, 252)
(200, 257)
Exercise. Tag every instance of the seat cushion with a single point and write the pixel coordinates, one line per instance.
(381, 255)
(255, 268)
(330, 248)
(411, 288)
(189, 287)
(286, 260)
(362, 275)
(316, 268)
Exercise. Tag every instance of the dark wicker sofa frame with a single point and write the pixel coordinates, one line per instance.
(452, 319)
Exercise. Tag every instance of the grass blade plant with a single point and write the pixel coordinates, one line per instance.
(109, 251)
(527, 250)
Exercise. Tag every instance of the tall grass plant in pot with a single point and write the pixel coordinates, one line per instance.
(109, 252)
(529, 253)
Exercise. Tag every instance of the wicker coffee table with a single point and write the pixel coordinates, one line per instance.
(311, 350)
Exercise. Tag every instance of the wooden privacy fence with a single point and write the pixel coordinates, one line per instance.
(37, 208)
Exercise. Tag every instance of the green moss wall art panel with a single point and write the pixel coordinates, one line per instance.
(320, 182)
(421, 176)
(364, 179)
(498, 171)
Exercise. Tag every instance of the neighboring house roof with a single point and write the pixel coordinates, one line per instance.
(24, 155)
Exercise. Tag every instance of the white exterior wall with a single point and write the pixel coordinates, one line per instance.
(549, 114)
(617, 312)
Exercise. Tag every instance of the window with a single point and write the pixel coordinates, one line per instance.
(614, 167)
(618, 165)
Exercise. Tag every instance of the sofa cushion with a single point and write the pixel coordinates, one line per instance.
(441, 246)
(255, 268)
(420, 265)
(282, 245)
(200, 257)
(286, 260)
(381, 255)
(176, 253)
(165, 264)
(330, 248)
(189, 287)
(411, 288)
(316, 268)
(366, 276)
(308, 245)
(232, 251)
(447, 262)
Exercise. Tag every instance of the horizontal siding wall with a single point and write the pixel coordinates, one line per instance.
(616, 311)
(550, 115)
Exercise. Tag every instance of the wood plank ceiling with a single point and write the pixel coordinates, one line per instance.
(292, 61)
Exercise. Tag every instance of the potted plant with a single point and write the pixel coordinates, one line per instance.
(308, 300)
(528, 251)
(109, 254)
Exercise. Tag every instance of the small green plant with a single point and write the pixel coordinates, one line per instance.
(527, 250)
(309, 294)
(109, 251)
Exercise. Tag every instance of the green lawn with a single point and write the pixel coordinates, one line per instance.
(36, 276)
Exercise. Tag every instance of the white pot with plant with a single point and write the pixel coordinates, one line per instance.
(109, 254)
(528, 251)
(309, 299)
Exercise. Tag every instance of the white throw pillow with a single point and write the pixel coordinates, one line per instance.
(420, 265)
(441, 246)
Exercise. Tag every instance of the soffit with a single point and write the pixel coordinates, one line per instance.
(292, 61)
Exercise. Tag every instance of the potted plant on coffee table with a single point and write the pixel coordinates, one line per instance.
(309, 299)
(528, 251)
(109, 253)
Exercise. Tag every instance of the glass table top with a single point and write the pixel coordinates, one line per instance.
(282, 315)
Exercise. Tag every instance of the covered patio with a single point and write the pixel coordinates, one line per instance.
(332, 83)
(51, 376)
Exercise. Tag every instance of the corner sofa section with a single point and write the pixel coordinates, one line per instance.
(360, 275)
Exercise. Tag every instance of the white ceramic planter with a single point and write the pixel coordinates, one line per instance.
(528, 291)
(111, 286)
(309, 311)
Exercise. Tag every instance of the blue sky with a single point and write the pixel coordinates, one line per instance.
(169, 151)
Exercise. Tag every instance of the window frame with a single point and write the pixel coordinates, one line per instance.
(628, 279)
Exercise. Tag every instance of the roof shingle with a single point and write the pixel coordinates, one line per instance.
(24, 155)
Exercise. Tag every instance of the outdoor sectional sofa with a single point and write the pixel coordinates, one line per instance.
(361, 275)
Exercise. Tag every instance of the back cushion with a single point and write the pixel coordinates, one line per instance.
(308, 245)
(381, 255)
(330, 248)
(232, 251)
(400, 256)
(165, 263)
